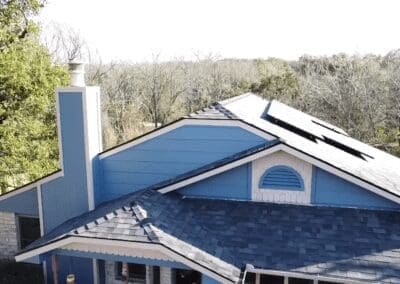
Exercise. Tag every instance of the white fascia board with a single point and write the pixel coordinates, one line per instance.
(301, 275)
(127, 244)
(31, 185)
(18, 191)
(221, 169)
(183, 122)
(290, 151)
(43, 249)
(66, 242)
(340, 173)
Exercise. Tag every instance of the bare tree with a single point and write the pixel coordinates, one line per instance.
(161, 86)
(347, 91)
(64, 43)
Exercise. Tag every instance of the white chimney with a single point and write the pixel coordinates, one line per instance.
(77, 72)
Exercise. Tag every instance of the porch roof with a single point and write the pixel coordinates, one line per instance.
(223, 236)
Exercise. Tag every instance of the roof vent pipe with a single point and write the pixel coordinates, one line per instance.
(77, 73)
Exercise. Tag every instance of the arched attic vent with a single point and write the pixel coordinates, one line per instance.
(281, 177)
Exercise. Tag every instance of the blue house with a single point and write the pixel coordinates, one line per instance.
(244, 191)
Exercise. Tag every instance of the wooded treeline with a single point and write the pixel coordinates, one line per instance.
(358, 93)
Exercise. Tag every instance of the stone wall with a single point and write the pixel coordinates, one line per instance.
(8, 235)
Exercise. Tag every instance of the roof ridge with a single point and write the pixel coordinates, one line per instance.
(138, 211)
(151, 232)
(236, 98)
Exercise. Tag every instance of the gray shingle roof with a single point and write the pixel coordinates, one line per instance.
(215, 111)
(224, 236)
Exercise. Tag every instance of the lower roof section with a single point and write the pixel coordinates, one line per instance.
(221, 237)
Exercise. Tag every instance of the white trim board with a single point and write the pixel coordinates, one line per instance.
(59, 137)
(88, 166)
(291, 151)
(93, 145)
(87, 243)
(40, 208)
(183, 122)
(95, 268)
(31, 186)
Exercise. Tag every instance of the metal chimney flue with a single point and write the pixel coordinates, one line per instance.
(77, 73)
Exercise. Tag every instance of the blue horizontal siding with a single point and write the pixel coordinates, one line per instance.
(164, 157)
(81, 267)
(66, 197)
(329, 189)
(232, 184)
(179, 156)
(23, 203)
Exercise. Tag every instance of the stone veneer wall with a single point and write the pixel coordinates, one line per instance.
(165, 274)
(8, 235)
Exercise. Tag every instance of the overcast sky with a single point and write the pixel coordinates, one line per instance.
(136, 29)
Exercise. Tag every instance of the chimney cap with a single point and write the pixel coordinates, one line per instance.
(77, 73)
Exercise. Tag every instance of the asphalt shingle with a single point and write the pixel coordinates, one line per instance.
(224, 236)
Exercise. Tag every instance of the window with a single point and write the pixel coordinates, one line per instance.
(280, 279)
(29, 230)
(300, 281)
(250, 278)
(136, 272)
(156, 275)
(271, 279)
(183, 276)
(281, 177)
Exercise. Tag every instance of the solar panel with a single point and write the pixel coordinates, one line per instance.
(324, 131)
